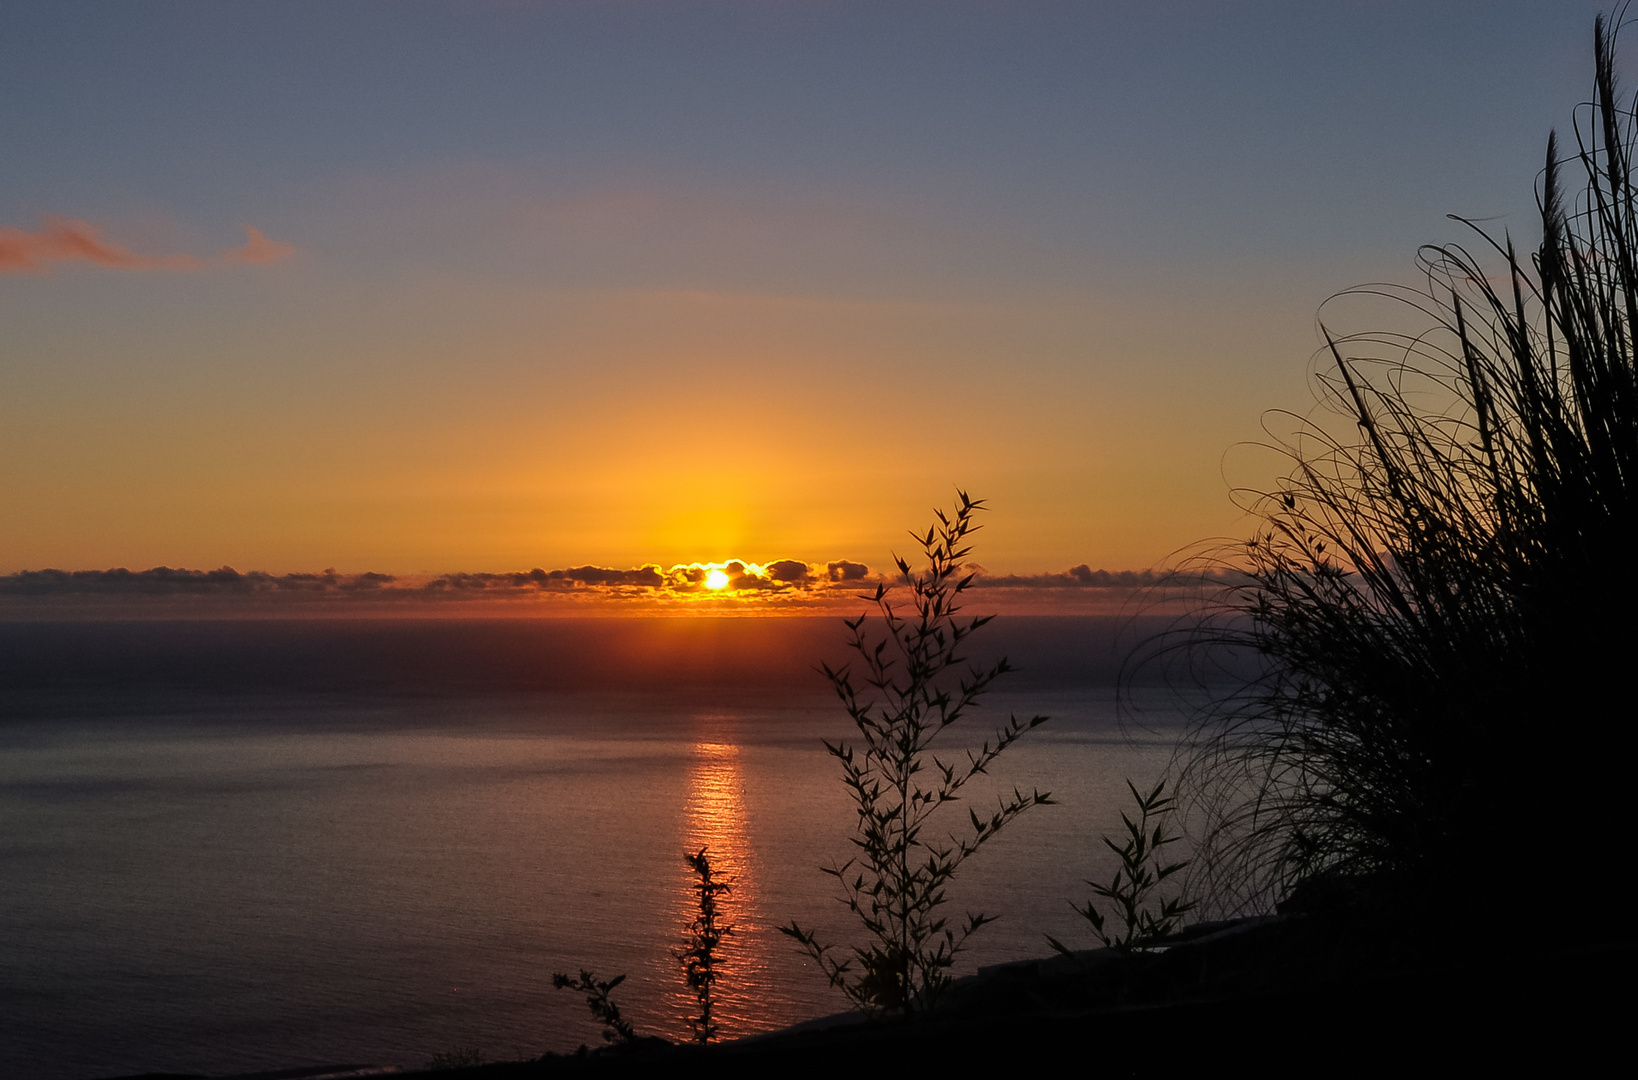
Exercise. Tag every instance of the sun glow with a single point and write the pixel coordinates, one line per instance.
(716, 579)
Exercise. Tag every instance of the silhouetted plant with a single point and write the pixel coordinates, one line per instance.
(1441, 593)
(699, 959)
(917, 685)
(1139, 875)
(616, 1029)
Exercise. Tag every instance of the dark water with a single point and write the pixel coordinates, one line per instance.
(233, 846)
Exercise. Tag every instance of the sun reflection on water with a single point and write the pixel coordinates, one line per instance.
(714, 819)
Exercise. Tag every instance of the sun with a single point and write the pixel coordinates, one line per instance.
(716, 579)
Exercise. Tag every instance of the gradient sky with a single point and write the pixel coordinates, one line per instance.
(422, 287)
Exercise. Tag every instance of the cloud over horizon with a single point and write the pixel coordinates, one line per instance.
(64, 239)
(781, 576)
(165, 581)
(789, 584)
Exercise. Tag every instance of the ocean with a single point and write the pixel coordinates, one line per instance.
(231, 846)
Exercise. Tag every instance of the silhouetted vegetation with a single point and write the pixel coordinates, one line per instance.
(916, 685)
(705, 934)
(616, 1029)
(1441, 593)
(1141, 872)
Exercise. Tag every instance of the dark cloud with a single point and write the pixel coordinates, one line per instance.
(1079, 577)
(1084, 577)
(165, 581)
(687, 575)
(793, 579)
(644, 577)
(845, 570)
(792, 576)
(789, 571)
(578, 577)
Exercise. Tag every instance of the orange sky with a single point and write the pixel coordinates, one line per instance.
(629, 427)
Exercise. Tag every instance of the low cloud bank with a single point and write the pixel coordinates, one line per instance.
(1079, 577)
(737, 578)
(787, 583)
(164, 581)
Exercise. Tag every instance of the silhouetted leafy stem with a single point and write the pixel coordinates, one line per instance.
(1139, 875)
(699, 959)
(615, 1027)
(916, 685)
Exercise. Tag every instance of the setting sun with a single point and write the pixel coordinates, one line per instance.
(716, 579)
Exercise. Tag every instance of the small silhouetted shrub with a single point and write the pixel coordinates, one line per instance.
(916, 683)
(616, 1029)
(1146, 917)
(699, 960)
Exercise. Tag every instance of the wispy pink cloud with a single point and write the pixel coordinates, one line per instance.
(258, 249)
(64, 239)
(61, 239)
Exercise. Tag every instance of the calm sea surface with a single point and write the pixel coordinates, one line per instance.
(237, 846)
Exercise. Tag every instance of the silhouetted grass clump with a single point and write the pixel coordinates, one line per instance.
(1442, 595)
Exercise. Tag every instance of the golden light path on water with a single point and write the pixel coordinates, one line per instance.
(714, 819)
